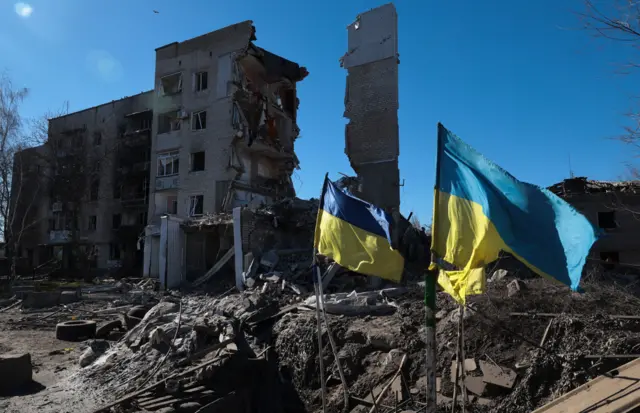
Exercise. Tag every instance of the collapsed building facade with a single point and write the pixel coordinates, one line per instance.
(81, 198)
(372, 140)
(613, 208)
(225, 130)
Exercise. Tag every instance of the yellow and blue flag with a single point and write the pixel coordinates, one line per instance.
(356, 235)
(480, 209)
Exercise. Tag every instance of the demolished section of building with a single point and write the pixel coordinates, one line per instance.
(84, 204)
(372, 140)
(613, 208)
(226, 127)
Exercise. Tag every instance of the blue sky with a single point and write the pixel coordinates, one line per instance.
(517, 80)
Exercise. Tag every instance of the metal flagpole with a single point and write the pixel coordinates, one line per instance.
(430, 320)
(317, 290)
(430, 296)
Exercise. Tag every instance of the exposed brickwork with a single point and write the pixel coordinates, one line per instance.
(371, 104)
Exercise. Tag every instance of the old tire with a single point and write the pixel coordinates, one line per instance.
(138, 311)
(104, 330)
(76, 330)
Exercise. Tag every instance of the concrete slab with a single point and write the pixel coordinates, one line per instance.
(475, 384)
(41, 299)
(499, 376)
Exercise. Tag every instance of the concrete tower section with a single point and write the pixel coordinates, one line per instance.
(371, 105)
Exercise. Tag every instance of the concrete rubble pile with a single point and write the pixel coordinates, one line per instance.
(242, 349)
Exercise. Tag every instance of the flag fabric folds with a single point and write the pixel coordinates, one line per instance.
(356, 235)
(480, 209)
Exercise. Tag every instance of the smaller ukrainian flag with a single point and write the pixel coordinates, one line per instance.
(480, 210)
(356, 235)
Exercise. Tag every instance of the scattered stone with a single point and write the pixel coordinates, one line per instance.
(96, 349)
(498, 275)
(514, 287)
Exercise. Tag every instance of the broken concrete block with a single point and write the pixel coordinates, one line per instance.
(497, 375)
(470, 365)
(269, 259)
(475, 385)
(67, 297)
(41, 299)
(514, 287)
(498, 275)
(15, 371)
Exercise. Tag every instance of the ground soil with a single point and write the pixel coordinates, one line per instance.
(371, 348)
(53, 362)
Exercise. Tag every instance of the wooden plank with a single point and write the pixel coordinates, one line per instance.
(617, 391)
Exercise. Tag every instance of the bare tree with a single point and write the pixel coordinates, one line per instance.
(10, 136)
(618, 21)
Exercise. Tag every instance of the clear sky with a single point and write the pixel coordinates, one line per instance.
(518, 80)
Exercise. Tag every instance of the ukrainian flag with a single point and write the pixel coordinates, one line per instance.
(480, 209)
(355, 234)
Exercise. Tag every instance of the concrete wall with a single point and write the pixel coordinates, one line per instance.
(371, 105)
(107, 120)
(624, 238)
(212, 53)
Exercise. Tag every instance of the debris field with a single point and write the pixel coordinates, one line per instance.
(258, 351)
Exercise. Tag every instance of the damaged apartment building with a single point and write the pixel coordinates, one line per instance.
(614, 209)
(225, 127)
(80, 200)
(147, 184)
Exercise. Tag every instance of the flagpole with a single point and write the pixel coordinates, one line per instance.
(430, 296)
(317, 288)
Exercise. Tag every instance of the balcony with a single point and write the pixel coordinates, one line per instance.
(137, 200)
(167, 182)
(60, 236)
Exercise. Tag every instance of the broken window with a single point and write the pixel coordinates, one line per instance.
(201, 81)
(168, 163)
(170, 121)
(114, 251)
(197, 161)
(172, 205)
(95, 189)
(93, 223)
(609, 259)
(224, 76)
(199, 120)
(97, 138)
(196, 205)
(171, 84)
(607, 220)
(116, 221)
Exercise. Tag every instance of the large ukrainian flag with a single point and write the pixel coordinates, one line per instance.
(480, 209)
(356, 235)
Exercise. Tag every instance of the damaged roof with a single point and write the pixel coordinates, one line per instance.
(582, 185)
